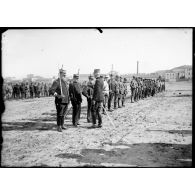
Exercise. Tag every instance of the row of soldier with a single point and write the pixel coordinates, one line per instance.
(25, 90)
(143, 88)
(101, 92)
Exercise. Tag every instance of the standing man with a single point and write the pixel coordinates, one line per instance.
(59, 89)
(27, 90)
(133, 88)
(88, 93)
(31, 90)
(121, 92)
(116, 91)
(124, 92)
(111, 84)
(105, 93)
(98, 99)
(75, 93)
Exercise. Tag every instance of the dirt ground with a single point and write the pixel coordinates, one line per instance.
(154, 132)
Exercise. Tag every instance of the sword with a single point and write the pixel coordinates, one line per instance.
(68, 112)
(109, 118)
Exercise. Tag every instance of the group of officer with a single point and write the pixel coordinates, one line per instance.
(100, 91)
(143, 88)
(25, 90)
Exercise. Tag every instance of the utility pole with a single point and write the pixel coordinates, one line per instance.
(137, 68)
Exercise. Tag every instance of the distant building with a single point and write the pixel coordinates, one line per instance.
(188, 73)
(171, 76)
(179, 74)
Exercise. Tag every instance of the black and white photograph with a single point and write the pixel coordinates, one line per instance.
(97, 97)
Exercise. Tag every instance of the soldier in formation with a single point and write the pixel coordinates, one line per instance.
(143, 88)
(25, 90)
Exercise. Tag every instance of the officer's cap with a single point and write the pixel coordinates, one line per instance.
(62, 70)
(106, 76)
(125, 79)
(96, 71)
(75, 76)
(91, 77)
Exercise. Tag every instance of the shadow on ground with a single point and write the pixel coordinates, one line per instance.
(47, 122)
(138, 155)
(184, 132)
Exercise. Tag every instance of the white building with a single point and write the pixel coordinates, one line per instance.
(188, 73)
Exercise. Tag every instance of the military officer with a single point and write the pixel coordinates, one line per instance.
(111, 84)
(97, 99)
(59, 89)
(75, 93)
(88, 93)
(125, 91)
(31, 90)
(116, 91)
(133, 89)
(105, 93)
(121, 92)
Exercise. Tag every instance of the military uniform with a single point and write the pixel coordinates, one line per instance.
(27, 90)
(106, 94)
(98, 99)
(61, 100)
(46, 90)
(116, 91)
(124, 92)
(31, 88)
(75, 93)
(88, 93)
(111, 84)
(133, 86)
(121, 93)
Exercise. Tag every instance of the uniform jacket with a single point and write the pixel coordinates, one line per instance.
(117, 87)
(111, 85)
(98, 90)
(75, 92)
(31, 88)
(56, 88)
(121, 86)
(88, 90)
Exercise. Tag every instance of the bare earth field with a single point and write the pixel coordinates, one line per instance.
(154, 132)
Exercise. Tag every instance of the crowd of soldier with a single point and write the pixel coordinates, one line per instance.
(25, 90)
(143, 88)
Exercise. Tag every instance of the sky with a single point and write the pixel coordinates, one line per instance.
(43, 51)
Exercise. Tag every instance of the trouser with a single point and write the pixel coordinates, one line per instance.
(111, 95)
(132, 94)
(153, 91)
(123, 99)
(42, 93)
(116, 97)
(105, 102)
(76, 112)
(17, 95)
(38, 94)
(96, 112)
(119, 100)
(9, 95)
(27, 94)
(31, 94)
(61, 110)
(89, 107)
(46, 94)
